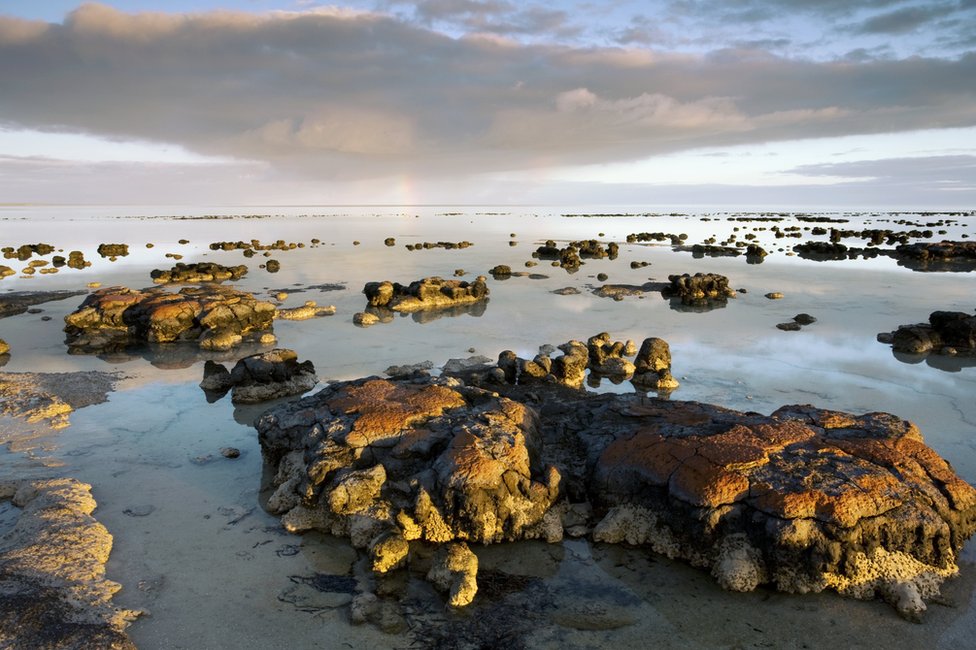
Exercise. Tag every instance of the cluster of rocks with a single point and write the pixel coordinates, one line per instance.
(198, 272)
(943, 250)
(75, 260)
(803, 500)
(216, 317)
(600, 355)
(254, 245)
(646, 237)
(25, 251)
(571, 256)
(427, 245)
(797, 323)
(426, 293)
(52, 568)
(754, 252)
(947, 332)
(700, 287)
(260, 377)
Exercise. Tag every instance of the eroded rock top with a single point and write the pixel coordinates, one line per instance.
(805, 499)
(215, 316)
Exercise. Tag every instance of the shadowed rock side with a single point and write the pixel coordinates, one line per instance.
(428, 293)
(260, 377)
(699, 288)
(216, 317)
(803, 500)
(52, 571)
(198, 272)
(947, 332)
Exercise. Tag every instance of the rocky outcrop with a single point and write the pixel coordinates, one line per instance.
(4, 347)
(937, 256)
(261, 377)
(198, 272)
(5, 271)
(216, 317)
(50, 397)
(947, 332)
(700, 287)
(52, 568)
(803, 500)
(427, 294)
(388, 463)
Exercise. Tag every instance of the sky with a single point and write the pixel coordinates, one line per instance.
(762, 104)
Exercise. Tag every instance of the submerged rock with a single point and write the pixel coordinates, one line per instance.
(261, 377)
(803, 500)
(52, 568)
(18, 302)
(428, 293)
(310, 309)
(214, 316)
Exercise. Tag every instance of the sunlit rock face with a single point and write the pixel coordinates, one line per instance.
(216, 317)
(52, 568)
(805, 499)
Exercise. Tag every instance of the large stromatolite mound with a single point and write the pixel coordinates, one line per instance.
(216, 317)
(947, 332)
(260, 377)
(197, 272)
(803, 500)
(52, 571)
(387, 462)
(427, 293)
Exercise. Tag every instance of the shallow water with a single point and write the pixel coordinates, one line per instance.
(194, 547)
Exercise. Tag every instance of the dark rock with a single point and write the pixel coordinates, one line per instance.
(946, 331)
(272, 266)
(652, 367)
(804, 319)
(261, 377)
(500, 271)
(230, 452)
(791, 326)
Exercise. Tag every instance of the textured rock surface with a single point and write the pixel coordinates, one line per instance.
(214, 316)
(198, 272)
(804, 500)
(52, 571)
(699, 287)
(261, 377)
(948, 332)
(310, 309)
(49, 398)
(428, 293)
(426, 459)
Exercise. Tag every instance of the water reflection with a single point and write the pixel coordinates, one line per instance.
(475, 309)
(944, 362)
(168, 356)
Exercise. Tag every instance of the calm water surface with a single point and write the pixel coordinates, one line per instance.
(195, 549)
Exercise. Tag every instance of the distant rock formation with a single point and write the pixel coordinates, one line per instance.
(425, 294)
(198, 272)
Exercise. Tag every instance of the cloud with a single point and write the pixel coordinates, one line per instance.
(350, 95)
(906, 19)
(922, 170)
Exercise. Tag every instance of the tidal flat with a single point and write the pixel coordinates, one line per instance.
(194, 547)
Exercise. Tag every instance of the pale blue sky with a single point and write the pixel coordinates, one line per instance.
(459, 100)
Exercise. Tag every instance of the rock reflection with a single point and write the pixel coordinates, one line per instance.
(943, 362)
